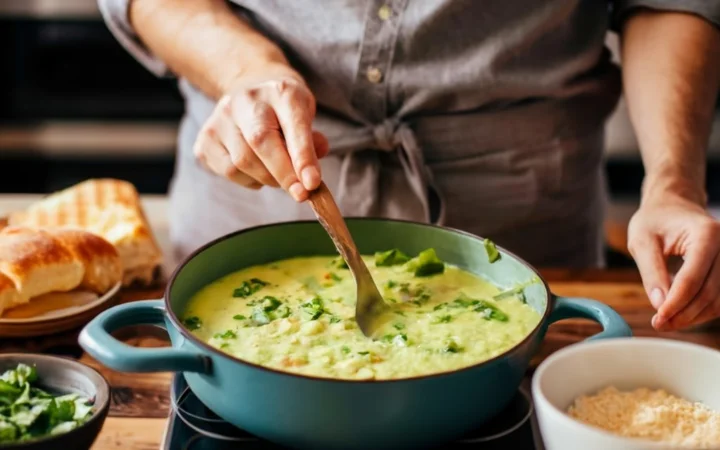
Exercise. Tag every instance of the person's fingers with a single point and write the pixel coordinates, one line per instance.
(711, 312)
(261, 130)
(216, 158)
(322, 147)
(647, 252)
(241, 155)
(708, 294)
(698, 259)
(295, 110)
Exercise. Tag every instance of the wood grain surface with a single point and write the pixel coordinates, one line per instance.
(140, 401)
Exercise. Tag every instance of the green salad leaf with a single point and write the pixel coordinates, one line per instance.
(28, 412)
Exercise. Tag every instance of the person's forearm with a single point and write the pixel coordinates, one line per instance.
(671, 71)
(204, 42)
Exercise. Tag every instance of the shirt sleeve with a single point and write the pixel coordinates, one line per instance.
(116, 17)
(707, 9)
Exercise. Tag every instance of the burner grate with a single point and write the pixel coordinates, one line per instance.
(193, 426)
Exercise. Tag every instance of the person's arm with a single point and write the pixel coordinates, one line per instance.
(204, 42)
(261, 131)
(671, 74)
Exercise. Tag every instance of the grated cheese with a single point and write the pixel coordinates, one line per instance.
(650, 414)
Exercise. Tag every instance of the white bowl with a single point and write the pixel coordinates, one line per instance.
(689, 371)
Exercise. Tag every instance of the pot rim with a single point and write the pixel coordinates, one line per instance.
(550, 301)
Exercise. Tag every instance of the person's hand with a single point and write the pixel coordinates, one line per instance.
(672, 225)
(260, 134)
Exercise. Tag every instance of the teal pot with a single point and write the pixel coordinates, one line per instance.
(315, 413)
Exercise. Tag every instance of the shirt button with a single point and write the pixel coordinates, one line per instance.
(374, 75)
(384, 12)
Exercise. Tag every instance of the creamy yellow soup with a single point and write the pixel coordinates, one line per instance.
(297, 315)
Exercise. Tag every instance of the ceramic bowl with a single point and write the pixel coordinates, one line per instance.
(686, 370)
(62, 375)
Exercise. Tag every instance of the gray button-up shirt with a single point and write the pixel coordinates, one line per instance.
(481, 115)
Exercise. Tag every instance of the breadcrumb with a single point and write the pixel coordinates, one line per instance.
(650, 414)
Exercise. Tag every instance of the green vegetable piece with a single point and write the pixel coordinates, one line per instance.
(239, 317)
(345, 349)
(399, 326)
(464, 302)
(389, 258)
(363, 353)
(63, 427)
(492, 251)
(192, 323)
(490, 311)
(339, 262)
(249, 287)
(450, 346)
(269, 303)
(282, 312)
(426, 264)
(313, 309)
(228, 334)
(399, 313)
(443, 319)
(391, 284)
(335, 319)
(8, 432)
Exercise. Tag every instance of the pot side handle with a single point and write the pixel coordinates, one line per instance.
(575, 308)
(95, 338)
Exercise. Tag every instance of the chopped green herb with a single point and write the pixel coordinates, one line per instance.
(450, 346)
(490, 311)
(224, 345)
(229, 334)
(28, 412)
(399, 340)
(333, 276)
(399, 326)
(340, 263)
(442, 319)
(249, 287)
(426, 264)
(389, 258)
(335, 319)
(239, 317)
(281, 312)
(391, 284)
(345, 349)
(363, 353)
(192, 323)
(270, 303)
(464, 302)
(313, 309)
(492, 251)
(440, 306)
(399, 313)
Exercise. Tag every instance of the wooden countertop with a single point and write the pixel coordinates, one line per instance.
(139, 409)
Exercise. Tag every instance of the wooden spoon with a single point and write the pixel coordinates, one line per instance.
(370, 306)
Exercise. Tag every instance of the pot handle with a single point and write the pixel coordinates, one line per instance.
(95, 338)
(574, 308)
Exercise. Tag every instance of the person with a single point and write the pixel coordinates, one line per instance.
(484, 116)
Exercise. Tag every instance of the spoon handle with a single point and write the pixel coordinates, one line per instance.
(329, 216)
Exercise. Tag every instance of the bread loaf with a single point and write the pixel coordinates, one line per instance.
(109, 208)
(37, 263)
(34, 262)
(100, 259)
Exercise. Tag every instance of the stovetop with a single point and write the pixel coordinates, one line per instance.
(192, 426)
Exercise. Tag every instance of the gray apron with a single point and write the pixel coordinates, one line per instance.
(516, 177)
